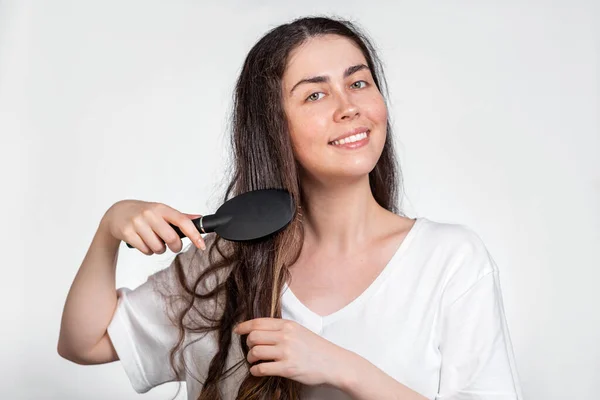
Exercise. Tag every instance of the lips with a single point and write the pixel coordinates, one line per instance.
(355, 131)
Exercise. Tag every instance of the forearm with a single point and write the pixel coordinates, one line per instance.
(92, 298)
(364, 381)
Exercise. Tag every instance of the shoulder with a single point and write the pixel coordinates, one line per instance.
(457, 241)
(459, 252)
(451, 235)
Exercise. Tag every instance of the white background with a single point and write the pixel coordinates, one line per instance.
(495, 109)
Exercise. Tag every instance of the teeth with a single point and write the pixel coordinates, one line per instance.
(350, 139)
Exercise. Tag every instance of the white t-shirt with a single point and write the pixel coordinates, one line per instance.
(433, 320)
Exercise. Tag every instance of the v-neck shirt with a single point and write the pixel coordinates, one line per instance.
(433, 320)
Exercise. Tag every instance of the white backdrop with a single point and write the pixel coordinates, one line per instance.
(495, 107)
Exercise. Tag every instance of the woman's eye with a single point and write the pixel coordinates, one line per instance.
(312, 96)
(315, 95)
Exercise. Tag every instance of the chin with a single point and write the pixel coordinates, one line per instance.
(341, 168)
(353, 173)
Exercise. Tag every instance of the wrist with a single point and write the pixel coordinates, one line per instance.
(104, 235)
(346, 375)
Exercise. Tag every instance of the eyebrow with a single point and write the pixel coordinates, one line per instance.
(319, 79)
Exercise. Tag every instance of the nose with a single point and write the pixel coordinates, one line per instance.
(346, 109)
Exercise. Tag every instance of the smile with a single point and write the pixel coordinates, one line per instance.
(352, 142)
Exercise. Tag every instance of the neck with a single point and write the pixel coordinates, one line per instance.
(340, 217)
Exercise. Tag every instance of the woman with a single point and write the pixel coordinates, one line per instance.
(351, 300)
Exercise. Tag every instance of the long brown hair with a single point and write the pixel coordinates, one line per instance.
(263, 159)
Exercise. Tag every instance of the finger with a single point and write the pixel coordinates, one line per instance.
(148, 235)
(166, 233)
(136, 241)
(274, 368)
(185, 224)
(263, 324)
(263, 338)
(192, 216)
(265, 353)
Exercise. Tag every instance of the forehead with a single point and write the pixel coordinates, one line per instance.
(322, 55)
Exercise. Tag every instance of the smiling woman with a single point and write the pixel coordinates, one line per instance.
(351, 300)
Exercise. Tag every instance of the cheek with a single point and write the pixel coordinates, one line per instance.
(377, 111)
(307, 131)
(377, 114)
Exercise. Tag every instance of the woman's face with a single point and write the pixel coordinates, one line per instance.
(342, 100)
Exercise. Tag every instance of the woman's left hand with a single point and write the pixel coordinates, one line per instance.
(295, 352)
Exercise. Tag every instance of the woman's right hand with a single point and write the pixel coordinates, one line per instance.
(145, 226)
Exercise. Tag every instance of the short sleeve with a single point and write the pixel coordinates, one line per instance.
(142, 328)
(477, 356)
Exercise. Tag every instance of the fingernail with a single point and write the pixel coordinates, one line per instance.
(201, 244)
